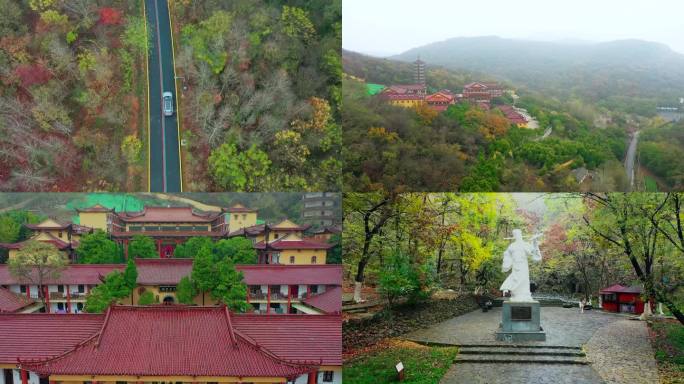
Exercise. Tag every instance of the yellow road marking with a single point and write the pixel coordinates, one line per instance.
(175, 83)
(147, 81)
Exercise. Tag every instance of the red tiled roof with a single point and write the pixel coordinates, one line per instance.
(11, 302)
(170, 340)
(168, 215)
(89, 274)
(617, 288)
(95, 208)
(330, 229)
(162, 271)
(170, 271)
(258, 229)
(57, 227)
(240, 208)
(266, 274)
(329, 301)
(153, 234)
(296, 337)
(512, 115)
(293, 244)
(40, 335)
(57, 242)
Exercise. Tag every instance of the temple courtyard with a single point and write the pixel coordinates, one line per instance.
(590, 347)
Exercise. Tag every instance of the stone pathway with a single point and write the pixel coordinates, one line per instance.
(617, 348)
(621, 353)
(563, 326)
(520, 374)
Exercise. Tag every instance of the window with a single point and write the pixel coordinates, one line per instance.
(79, 306)
(313, 259)
(314, 289)
(60, 288)
(22, 288)
(275, 235)
(244, 216)
(235, 216)
(60, 234)
(60, 306)
(81, 288)
(292, 259)
(328, 376)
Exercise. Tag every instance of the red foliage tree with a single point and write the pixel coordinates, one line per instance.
(110, 16)
(32, 74)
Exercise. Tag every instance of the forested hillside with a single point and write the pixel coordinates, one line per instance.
(661, 150)
(261, 110)
(630, 75)
(470, 149)
(72, 95)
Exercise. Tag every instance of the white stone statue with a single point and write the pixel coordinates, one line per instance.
(515, 260)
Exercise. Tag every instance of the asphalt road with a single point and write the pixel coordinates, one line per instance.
(165, 169)
(630, 159)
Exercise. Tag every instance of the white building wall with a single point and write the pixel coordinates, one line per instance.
(34, 291)
(264, 289)
(283, 290)
(32, 378)
(302, 290)
(337, 378)
(15, 288)
(2, 376)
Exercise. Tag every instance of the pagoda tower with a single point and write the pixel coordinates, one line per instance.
(419, 72)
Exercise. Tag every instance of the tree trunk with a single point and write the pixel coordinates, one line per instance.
(358, 281)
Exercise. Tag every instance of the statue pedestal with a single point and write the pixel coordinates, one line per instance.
(520, 321)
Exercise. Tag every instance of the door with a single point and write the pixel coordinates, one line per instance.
(166, 251)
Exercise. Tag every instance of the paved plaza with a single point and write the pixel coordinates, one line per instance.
(617, 348)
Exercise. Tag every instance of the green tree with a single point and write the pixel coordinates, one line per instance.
(185, 291)
(334, 253)
(236, 170)
(239, 250)
(398, 279)
(97, 248)
(142, 247)
(37, 262)
(114, 287)
(203, 268)
(296, 23)
(229, 288)
(147, 298)
(131, 274)
(190, 248)
(135, 36)
(131, 147)
(207, 39)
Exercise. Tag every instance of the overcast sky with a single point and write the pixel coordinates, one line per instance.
(384, 27)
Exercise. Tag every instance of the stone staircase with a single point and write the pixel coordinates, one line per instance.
(512, 353)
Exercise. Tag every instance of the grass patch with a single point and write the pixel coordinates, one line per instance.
(651, 185)
(668, 343)
(422, 364)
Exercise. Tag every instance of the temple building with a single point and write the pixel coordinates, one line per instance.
(64, 236)
(167, 226)
(65, 293)
(440, 101)
(218, 346)
(271, 289)
(482, 92)
(170, 226)
(513, 116)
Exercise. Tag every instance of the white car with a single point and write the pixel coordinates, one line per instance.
(168, 103)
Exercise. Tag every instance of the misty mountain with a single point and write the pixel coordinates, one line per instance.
(607, 72)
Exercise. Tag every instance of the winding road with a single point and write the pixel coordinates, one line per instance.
(164, 145)
(630, 159)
